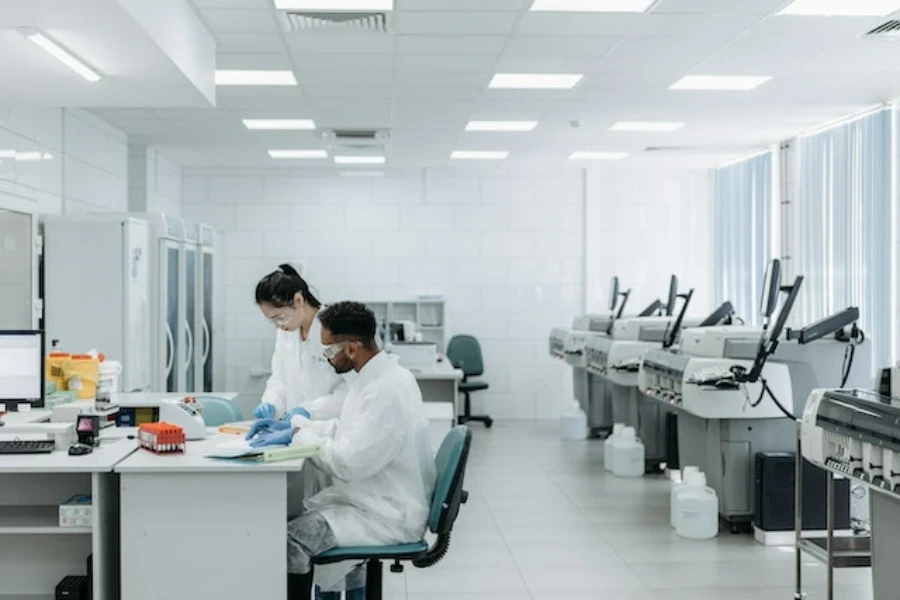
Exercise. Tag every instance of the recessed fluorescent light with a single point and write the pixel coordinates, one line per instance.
(273, 124)
(501, 125)
(359, 160)
(591, 155)
(478, 155)
(255, 78)
(719, 82)
(59, 53)
(537, 81)
(333, 5)
(298, 154)
(646, 126)
(841, 8)
(630, 6)
(7, 153)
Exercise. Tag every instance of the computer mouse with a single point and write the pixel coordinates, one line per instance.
(79, 449)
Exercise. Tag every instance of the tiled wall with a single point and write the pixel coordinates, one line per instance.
(83, 165)
(154, 182)
(645, 227)
(505, 251)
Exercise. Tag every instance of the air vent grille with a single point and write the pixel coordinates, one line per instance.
(356, 134)
(889, 30)
(376, 22)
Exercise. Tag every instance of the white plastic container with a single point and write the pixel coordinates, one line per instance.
(686, 473)
(573, 423)
(698, 510)
(628, 459)
(609, 450)
(109, 375)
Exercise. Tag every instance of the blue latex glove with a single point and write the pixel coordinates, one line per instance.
(296, 412)
(267, 426)
(264, 411)
(281, 437)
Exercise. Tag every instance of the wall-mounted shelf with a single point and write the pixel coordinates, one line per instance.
(429, 314)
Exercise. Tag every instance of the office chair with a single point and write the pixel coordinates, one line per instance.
(219, 411)
(464, 352)
(445, 503)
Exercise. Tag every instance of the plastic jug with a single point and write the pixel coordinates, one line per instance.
(698, 510)
(628, 459)
(573, 423)
(686, 473)
(609, 450)
(82, 373)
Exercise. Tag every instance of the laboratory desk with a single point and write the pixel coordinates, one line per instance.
(439, 382)
(35, 552)
(196, 527)
(26, 417)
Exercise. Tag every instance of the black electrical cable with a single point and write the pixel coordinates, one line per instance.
(849, 353)
(767, 390)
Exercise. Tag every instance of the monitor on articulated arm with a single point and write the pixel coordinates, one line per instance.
(614, 293)
(673, 296)
(672, 334)
(723, 314)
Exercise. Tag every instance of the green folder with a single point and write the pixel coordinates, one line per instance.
(269, 454)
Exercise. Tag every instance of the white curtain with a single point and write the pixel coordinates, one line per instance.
(743, 232)
(844, 225)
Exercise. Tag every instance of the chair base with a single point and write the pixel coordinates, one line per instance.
(463, 419)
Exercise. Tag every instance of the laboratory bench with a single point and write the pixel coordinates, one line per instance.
(439, 383)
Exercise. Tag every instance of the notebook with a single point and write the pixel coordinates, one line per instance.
(239, 428)
(240, 449)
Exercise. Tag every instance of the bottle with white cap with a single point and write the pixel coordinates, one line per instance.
(686, 473)
(609, 450)
(573, 423)
(628, 458)
(698, 510)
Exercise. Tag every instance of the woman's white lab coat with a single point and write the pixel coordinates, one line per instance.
(379, 456)
(302, 376)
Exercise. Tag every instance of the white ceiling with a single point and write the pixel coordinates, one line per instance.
(427, 79)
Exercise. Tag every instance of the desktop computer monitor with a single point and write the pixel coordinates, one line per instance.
(21, 369)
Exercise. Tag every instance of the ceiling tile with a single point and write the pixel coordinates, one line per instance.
(814, 28)
(567, 24)
(342, 63)
(462, 5)
(545, 64)
(449, 63)
(249, 42)
(450, 44)
(240, 21)
(455, 23)
(343, 43)
(249, 4)
(476, 80)
(693, 26)
(318, 83)
(254, 61)
(754, 7)
(558, 45)
(432, 91)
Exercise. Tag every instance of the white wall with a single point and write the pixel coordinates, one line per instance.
(154, 182)
(645, 226)
(505, 250)
(85, 165)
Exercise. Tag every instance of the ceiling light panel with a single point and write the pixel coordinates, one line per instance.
(591, 155)
(720, 82)
(298, 154)
(649, 126)
(501, 125)
(478, 155)
(624, 6)
(279, 124)
(335, 5)
(59, 53)
(535, 81)
(236, 77)
(841, 8)
(359, 160)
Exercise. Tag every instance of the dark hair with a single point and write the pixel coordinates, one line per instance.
(279, 287)
(350, 319)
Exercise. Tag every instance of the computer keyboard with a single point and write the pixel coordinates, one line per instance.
(26, 447)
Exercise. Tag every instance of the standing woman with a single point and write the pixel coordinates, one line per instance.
(302, 381)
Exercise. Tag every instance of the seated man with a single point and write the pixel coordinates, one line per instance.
(377, 452)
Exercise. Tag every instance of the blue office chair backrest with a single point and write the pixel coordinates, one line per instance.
(464, 350)
(219, 411)
(450, 462)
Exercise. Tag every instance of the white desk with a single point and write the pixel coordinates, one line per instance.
(204, 527)
(439, 383)
(26, 417)
(35, 553)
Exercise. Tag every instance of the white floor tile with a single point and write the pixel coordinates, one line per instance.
(536, 556)
(599, 579)
(465, 580)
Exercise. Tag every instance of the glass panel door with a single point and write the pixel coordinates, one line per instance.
(173, 279)
(208, 299)
(190, 319)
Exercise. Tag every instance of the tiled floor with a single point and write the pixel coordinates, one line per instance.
(545, 522)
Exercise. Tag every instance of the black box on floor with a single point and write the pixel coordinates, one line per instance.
(775, 495)
(672, 460)
(90, 577)
(72, 587)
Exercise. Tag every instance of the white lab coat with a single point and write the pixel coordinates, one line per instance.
(379, 456)
(302, 376)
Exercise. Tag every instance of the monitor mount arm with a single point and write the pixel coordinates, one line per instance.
(672, 335)
(831, 324)
(722, 314)
(657, 305)
(625, 295)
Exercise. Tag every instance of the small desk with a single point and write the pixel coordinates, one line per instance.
(439, 383)
(35, 552)
(205, 528)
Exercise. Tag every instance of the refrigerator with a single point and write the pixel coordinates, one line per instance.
(182, 321)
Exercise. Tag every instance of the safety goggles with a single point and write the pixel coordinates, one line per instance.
(333, 350)
(282, 319)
